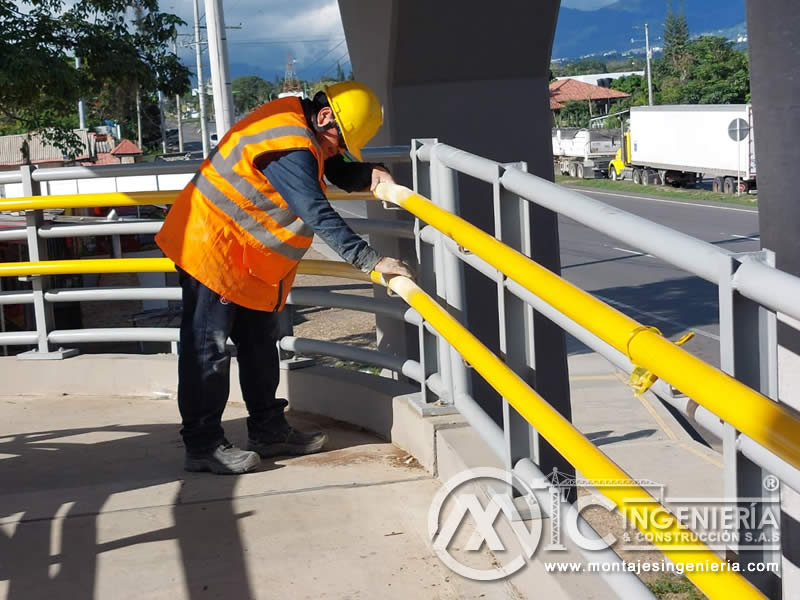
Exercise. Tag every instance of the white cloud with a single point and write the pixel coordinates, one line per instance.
(310, 30)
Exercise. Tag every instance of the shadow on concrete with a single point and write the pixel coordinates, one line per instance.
(602, 438)
(56, 484)
(673, 306)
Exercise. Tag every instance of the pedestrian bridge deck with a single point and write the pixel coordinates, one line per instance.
(94, 503)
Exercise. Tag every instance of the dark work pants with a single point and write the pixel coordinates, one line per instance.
(204, 365)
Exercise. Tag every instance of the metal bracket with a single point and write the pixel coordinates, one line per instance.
(59, 354)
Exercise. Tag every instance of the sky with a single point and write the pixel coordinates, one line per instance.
(310, 30)
(271, 30)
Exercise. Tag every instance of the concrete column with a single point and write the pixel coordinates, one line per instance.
(475, 78)
(774, 36)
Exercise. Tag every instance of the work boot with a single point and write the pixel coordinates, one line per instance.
(285, 440)
(225, 459)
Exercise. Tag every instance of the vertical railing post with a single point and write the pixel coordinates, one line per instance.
(748, 343)
(289, 360)
(428, 342)
(449, 274)
(512, 227)
(37, 251)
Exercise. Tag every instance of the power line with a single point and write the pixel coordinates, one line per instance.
(307, 67)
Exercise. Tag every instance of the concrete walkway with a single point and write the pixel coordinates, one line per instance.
(94, 504)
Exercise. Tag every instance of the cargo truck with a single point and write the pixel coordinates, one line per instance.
(682, 145)
(584, 153)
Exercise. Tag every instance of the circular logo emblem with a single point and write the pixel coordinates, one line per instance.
(466, 513)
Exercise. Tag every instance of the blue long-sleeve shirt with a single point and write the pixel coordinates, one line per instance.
(294, 176)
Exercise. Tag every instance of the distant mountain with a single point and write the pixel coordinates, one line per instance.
(582, 32)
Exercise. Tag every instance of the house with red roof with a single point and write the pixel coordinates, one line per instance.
(598, 98)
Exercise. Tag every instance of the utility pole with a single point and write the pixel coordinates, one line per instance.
(162, 123)
(139, 117)
(649, 68)
(220, 77)
(178, 105)
(201, 84)
(81, 103)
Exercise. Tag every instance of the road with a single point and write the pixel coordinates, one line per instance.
(646, 288)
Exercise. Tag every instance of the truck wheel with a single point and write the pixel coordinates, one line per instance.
(579, 171)
(637, 176)
(647, 177)
(729, 185)
(663, 177)
(716, 185)
(572, 170)
(612, 173)
(744, 187)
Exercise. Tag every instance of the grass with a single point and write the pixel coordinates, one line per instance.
(675, 587)
(658, 190)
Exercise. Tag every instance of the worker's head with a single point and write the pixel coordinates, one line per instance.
(347, 116)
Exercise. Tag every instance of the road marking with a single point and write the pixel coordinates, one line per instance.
(592, 191)
(656, 317)
(350, 212)
(592, 377)
(636, 252)
(657, 418)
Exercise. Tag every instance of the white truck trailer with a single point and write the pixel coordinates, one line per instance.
(680, 145)
(584, 153)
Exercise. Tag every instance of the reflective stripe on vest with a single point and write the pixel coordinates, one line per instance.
(267, 228)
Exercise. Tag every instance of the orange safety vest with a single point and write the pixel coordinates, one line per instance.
(229, 228)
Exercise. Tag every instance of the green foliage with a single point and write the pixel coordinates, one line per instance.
(715, 73)
(676, 57)
(250, 92)
(628, 63)
(581, 67)
(574, 114)
(39, 84)
(339, 73)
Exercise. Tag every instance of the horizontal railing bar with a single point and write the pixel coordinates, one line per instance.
(410, 368)
(16, 297)
(770, 287)
(13, 235)
(387, 153)
(10, 177)
(18, 338)
(679, 249)
(87, 200)
(112, 294)
(114, 334)
(118, 228)
(177, 167)
(306, 296)
(464, 162)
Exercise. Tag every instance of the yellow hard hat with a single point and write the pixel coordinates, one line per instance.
(358, 113)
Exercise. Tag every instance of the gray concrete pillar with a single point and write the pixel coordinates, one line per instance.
(774, 39)
(475, 77)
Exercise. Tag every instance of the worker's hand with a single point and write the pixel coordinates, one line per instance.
(380, 175)
(393, 266)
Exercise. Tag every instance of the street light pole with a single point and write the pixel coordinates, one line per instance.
(649, 68)
(178, 105)
(218, 55)
(201, 84)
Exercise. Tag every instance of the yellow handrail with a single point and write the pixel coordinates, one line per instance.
(752, 413)
(124, 199)
(155, 265)
(579, 451)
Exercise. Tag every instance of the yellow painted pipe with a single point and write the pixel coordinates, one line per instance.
(649, 516)
(88, 200)
(327, 268)
(750, 412)
(70, 201)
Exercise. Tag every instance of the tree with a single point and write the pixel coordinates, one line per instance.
(339, 72)
(581, 67)
(39, 84)
(249, 92)
(574, 114)
(717, 74)
(676, 57)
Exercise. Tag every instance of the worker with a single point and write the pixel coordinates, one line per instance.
(237, 233)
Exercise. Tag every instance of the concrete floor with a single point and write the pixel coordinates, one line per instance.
(94, 504)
